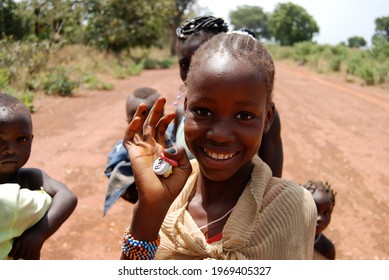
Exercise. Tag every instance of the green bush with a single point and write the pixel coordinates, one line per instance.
(151, 63)
(366, 72)
(94, 83)
(4, 78)
(58, 82)
(134, 69)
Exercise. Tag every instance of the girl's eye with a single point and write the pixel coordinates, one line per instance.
(244, 116)
(203, 112)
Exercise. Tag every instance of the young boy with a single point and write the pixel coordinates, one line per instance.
(118, 170)
(33, 204)
(324, 198)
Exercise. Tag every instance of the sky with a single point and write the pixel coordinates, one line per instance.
(338, 20)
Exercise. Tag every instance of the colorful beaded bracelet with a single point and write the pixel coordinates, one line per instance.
(137, 249)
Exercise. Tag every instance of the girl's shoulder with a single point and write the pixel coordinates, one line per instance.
(283, 190)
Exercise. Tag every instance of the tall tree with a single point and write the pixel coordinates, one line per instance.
(291, 23)
(382, 28)
(181, 7)
(252, 18)
(54, 19)
(356, 42)
(11, 22)
(119, 24)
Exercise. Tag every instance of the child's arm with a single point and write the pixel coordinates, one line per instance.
(156, 193)
(64, 201)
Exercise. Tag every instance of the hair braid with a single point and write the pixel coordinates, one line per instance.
(207, 24)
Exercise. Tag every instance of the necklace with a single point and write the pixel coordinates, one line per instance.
(217, 220)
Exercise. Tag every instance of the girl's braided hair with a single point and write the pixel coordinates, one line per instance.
(240, 46)
(325, 187)
(208, 24)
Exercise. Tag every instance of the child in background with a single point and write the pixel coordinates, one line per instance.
(324, 198)
(118, 170)
(33, 205)
(190, 37)
(224, 204)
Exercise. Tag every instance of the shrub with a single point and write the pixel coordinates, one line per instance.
(58, 82)
(4, 78)
(94, 83)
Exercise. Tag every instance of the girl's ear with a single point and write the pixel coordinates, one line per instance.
(269, 116)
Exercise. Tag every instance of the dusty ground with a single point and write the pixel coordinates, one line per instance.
(331, 131)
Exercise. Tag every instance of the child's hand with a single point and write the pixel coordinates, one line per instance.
(144, 141)
(27, 246)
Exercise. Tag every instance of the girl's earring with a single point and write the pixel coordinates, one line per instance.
(184, 119)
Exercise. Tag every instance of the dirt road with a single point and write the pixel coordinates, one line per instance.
(331, 131)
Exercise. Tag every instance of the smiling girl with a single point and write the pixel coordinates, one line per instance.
(224, 204)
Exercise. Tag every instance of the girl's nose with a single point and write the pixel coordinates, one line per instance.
(220, 132)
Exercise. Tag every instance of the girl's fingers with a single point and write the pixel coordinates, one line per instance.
(161, 128)
(132, 129)
(152, 119)
(141, 113)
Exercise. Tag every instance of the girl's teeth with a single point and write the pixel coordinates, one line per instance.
(219, 156)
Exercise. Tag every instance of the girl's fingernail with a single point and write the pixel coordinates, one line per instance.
(171, 150)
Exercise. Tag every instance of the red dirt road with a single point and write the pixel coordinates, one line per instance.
(331, 131)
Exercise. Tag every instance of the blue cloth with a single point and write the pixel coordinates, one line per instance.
(116, 155)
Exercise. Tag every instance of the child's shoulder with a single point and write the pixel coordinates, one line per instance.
(325, 247)
(30, 178)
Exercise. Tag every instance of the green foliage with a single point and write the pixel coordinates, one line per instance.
(290, 24)
(22, 59)
(12, 23)
(119, 24)
(151, 63)
(134, 69)
(381, 28)
(252, 18)
(4, 78)
(58, 82)
(26, 97)
(370, 66)
(92, 82)
(356, 42)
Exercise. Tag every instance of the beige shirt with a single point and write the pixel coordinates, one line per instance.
(273, 219)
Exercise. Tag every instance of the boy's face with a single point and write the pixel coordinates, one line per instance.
(15, 141)
(185, 52)
(226, 114)
(186, 49)
(324, 210)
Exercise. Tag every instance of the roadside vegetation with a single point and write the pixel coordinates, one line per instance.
(56, 47)
(368, 66)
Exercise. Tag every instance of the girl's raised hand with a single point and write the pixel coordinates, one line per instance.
(144, 141)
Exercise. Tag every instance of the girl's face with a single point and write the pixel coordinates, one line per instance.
(324, 210)
(15, 141)
(226, 114)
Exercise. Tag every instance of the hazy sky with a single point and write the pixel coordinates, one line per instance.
(337, 19)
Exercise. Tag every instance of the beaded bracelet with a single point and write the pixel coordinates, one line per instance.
(137, 249)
